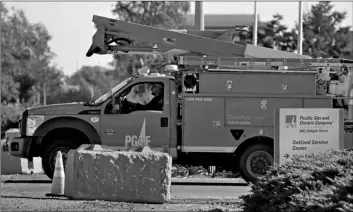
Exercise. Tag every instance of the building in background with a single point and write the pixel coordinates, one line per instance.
(223, 22)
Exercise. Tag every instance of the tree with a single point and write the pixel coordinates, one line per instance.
(9, 89)
(85, 85)
(25, 61)
(52, 79)
(162, 14)
(26, 56)
(323, 35)
(272, 34)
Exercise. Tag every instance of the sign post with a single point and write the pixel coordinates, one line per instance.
(303, 132)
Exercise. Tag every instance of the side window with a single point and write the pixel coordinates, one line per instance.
(141, 96)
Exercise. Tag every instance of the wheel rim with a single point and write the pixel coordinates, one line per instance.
(258, 163)
(64, 153)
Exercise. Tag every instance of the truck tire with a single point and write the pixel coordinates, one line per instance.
(49, 156)
(255, 161)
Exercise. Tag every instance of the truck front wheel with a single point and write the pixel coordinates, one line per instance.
(255, 161)
(49, 156)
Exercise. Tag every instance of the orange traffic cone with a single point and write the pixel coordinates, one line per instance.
(58, 183)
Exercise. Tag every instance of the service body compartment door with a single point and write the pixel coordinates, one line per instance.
(203, 125)
(258, 83)
(140, 120)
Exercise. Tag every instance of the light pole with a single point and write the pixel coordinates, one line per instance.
(0, 92)
(300, 30)
(199, 17)
(254, 36)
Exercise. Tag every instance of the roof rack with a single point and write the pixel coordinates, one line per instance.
(223, 63)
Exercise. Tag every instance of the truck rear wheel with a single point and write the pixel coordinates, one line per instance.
(255, 161)
(49, 156)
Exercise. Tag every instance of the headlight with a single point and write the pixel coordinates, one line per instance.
(33, 122)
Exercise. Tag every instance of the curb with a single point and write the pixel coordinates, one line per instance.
(27, 181)
(210, 181)
(175, 181)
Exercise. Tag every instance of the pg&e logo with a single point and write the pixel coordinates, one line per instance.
(291, 121)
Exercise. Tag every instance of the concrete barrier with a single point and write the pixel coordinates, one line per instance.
(99, 173)
(16, 165)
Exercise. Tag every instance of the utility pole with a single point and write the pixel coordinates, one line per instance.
(300, 31)
(254, 36)
(44, 93)
(199, 17)
(1, 106)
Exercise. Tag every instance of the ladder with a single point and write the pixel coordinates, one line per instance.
(262, 63)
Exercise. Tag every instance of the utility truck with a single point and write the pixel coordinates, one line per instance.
(213, 106)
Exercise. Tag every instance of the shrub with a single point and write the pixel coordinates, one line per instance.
(10, 113)
(322, 183)
(179, 170)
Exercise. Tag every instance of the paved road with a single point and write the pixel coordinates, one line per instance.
(209, 192)
(177, 191)
(31, 196)
(41, 178)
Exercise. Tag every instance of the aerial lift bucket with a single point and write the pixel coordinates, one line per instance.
(97, 46)
(105, 42)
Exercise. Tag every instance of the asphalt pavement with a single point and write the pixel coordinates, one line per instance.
(177, 191)
(25, 196)
(41, 178)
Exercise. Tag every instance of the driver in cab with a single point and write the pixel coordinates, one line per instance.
(156, 102)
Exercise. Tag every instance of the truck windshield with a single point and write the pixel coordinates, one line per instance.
(112, 91)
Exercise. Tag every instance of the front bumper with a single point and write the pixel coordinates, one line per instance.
(20, 146)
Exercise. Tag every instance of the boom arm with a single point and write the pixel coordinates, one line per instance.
(132, 38)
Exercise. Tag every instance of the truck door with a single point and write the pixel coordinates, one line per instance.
(142, 116)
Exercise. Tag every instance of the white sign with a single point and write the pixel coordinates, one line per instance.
(303, 132)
